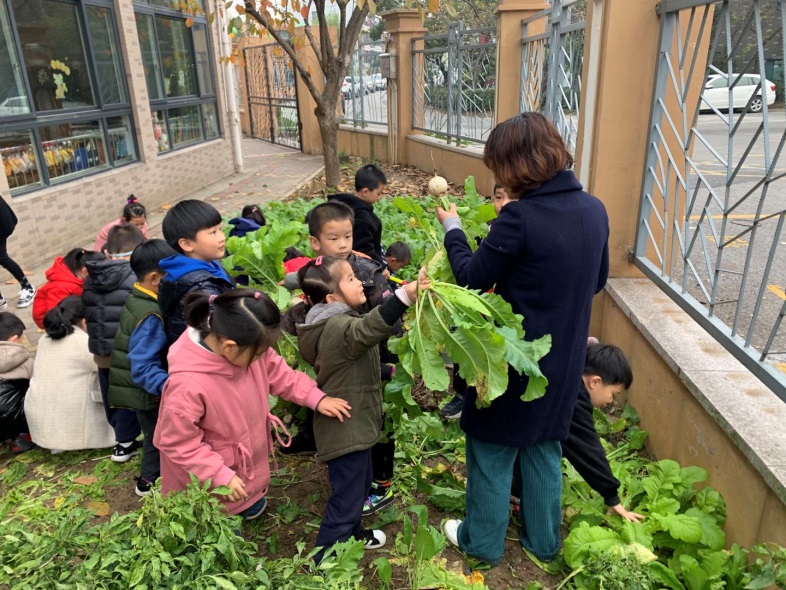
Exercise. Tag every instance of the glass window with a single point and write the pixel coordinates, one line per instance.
(106, 55)
(121, 140)
(160, 132)
(19, 160)
(13, 99)
(73, 149)
(185, 125)
(720, 82)
(204, 73)
(54, 54)
(210, 118)
(147, 41)
(177, 57)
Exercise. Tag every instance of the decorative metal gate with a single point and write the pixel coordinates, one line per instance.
(712, 210)
(272, 95)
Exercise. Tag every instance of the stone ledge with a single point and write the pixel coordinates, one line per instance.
(475, 151)
(750, 414)
(370, 129)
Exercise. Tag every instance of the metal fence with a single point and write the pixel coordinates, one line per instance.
(713, 201)
(454, 83)
(551, 65)
(364, 100)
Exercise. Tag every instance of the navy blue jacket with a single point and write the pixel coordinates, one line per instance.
(184, 275)
(547, 255)
(242, 226)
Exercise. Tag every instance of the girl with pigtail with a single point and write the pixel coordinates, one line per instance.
(214, 420)
(134, 213)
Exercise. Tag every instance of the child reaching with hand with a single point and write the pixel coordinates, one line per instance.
(214, 419)
(343, 347)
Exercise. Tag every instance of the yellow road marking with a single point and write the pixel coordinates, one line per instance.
(733, 216)
(777, 290)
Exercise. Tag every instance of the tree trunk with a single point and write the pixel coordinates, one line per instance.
(328, 128)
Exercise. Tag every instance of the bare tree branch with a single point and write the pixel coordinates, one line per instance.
(263, 20)
(310, 37)
(342, 9)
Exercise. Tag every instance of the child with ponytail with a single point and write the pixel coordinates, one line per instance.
(63, 405)
(214, 420)
(133, 212)
(343, 347)
(65, 277)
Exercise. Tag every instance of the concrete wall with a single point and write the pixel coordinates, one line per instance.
(58, 218)
(368, 143)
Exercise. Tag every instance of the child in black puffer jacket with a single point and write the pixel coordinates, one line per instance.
(106, 288)
(16, 368)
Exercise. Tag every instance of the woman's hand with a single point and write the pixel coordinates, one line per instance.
(626, 514)
(335, 407)
(238, 490)
(442, 215)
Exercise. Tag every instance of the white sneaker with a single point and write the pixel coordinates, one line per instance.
(450, 528)
(374, 539)
(26, 297)
(3, 303)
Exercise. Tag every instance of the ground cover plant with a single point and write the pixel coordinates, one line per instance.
(72, 521)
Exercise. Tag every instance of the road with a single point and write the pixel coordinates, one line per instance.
(747, 250)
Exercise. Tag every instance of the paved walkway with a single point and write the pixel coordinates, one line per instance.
(271, 173)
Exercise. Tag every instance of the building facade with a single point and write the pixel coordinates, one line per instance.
(100, 99)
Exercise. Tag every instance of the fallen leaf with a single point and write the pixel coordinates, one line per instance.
(98, 508)
(85, 480)
(59, 501)
(475, 578)
(166, 207)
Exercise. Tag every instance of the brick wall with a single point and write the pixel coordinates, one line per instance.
(55, 219)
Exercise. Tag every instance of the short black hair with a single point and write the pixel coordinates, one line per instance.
(497, 186)
(185, 219)
(123, 238)
(10, 325)
(370, 177)
(609, 363)
(399, 250)
(147, 257)
(330, 211)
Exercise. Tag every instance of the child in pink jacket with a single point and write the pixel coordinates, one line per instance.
(215, 419)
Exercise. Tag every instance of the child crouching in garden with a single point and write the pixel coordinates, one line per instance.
(343, 348)
(214, 420)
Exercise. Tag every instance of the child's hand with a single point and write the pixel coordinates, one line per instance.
(442, 215)
(626, 514)
(335, 407)
(238, 490)
(411, 289)
(386, 273)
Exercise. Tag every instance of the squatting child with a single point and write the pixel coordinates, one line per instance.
(138, 366)
(215, 419)
(342, 345)
(16, 368)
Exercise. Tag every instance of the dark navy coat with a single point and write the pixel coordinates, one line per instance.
(547, 255)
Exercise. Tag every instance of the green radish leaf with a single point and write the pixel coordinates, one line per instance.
(584, 541)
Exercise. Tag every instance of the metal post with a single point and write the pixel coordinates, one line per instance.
(459, 60)
(451, 66)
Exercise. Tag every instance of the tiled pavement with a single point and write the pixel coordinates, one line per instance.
(271, 172)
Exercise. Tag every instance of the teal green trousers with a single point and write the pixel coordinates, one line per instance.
(489, 476)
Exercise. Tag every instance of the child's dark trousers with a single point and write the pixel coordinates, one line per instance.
(123, 422)
(151, 463)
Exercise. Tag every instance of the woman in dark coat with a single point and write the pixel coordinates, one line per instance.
(546, 255)
(7, 225)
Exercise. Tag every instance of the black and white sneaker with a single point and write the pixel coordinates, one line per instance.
(452, 409)
(143, 486)
(3, 303)
(123, 453)
(374, 539)
(26, 297)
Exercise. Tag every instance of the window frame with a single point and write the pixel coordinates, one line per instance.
(199, 99)
(35, 120)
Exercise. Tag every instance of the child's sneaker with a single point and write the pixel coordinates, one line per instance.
(450, 528)
(26, 297)
(255, 510)
(22, 444)
(142, 487)
(515, 504)
(123, 453)
(380, 497)
(452, 410)
(3, 303)
(374, 539)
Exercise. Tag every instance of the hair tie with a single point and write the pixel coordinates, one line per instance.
(256, 295)
(318, 261)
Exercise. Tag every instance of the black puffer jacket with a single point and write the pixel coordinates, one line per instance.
(107, 286)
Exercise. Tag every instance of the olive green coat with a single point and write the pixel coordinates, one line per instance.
(343, 349)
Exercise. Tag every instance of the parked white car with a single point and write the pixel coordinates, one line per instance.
(380, 83)
(716, 92)
(14, 105)
(349, 88)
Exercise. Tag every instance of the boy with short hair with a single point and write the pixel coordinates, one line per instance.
(106, 288)
(193, 229)
(16, 368)
(330, 226)
(138, 371)
(370, 184)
